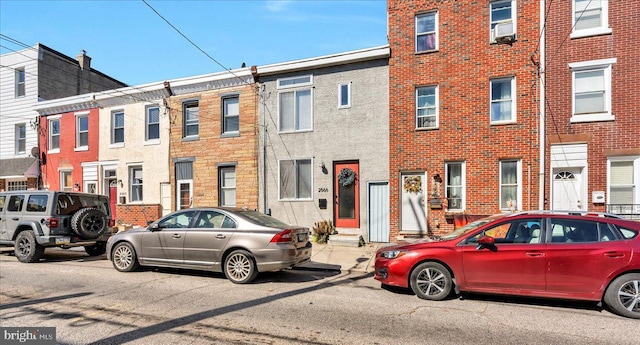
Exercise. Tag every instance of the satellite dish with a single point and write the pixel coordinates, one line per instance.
(35, 152)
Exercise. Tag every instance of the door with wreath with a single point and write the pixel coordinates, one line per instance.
(413, 209)
(347, 194)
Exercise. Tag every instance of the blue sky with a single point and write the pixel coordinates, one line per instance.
(128, 41)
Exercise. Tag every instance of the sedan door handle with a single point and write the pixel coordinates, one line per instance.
(15, 218)
(534, 254)
(614, 254)
(176, 236)
(220, 236)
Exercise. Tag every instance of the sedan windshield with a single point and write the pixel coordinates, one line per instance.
(470, 227)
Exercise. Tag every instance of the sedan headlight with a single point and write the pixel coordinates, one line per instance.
(393, 254)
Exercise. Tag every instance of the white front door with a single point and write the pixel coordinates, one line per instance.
(414, 212)
(567, 189)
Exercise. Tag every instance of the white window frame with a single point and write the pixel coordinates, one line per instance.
(296, 167)
(518, 184)
(64, 187)
(341, 101)
(50, 147)
(436, 91)
(226, 115)
(492, 22)
(514, 117)
(435, 32)
(20, 82)
(115, 143)
(296, 123)
(79, 132)
(589, 66)
(189, 104)
(223, 187)
(189, 183)
(462, 186)
(148, 124)
(636, 178)
(17, 185)
(134, 183)
(293, 82)
(20, 139)
(603, 29)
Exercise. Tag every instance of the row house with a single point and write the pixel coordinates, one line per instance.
(324, 143)
(464, 122)
(27, 77)
(591, 75)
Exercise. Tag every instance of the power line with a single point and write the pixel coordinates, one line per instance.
(569, 33)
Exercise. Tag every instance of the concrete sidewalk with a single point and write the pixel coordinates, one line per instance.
(346, 259)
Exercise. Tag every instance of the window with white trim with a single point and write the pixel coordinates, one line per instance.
(152, 123)
(295, 107)
(510, 185)
(295, 178)
(502, 13)
(20, 82)
(231, 115)
(82, 131)
(54, 134)
(591, 85)
(117, 127)
(426, 26)
(455, 185)
(16, 185)
(590, 17)
(427, 107)
(624, 177)
(190, 119)
(344, 95)
(21, 138)
(66, 180)
(503, 103)
(135, 183)
(227, 186)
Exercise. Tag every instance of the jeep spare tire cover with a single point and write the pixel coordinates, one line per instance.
(89, 223)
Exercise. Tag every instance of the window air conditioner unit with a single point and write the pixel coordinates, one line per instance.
(503, 30)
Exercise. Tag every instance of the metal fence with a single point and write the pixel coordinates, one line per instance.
(629, 211)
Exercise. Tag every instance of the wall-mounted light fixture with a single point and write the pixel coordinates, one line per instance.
(120, 183)
(324, 168)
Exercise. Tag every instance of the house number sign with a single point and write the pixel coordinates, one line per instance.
(323, 190)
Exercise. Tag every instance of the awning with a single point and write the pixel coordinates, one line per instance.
(19, 167)
(34, 169)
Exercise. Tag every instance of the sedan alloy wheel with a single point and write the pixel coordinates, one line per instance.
(239, 267)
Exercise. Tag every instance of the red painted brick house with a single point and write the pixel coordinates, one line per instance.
(592, 128)
(463, 111)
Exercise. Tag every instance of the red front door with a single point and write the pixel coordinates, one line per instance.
(347, 195)
(113, 198)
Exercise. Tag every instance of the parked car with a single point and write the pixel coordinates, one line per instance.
(565, 255)
(236, 241)
(32, 220)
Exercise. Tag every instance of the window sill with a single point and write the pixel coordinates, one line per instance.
(191, 138)
(501, 123)
(591, 32)
(115, 146)
(295, 200)
(427, 51)
(344, 107)
(54, 151)
(295, 132)
(602, 117)
(152, 142)
(81, 148)
(421, 129)
(230, 135)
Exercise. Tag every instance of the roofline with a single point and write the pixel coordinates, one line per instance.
(353, 56)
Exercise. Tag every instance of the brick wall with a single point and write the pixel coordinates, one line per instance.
(137, 215)
(462, 68)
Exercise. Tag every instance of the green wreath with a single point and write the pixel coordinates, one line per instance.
(346, 177)
(413, 184)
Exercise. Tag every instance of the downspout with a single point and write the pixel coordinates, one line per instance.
(542, 105)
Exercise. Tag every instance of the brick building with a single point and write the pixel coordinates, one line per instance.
(592, 128)
(463, 111)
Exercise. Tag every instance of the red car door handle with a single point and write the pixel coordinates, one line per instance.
(613, 254)
(534, 254)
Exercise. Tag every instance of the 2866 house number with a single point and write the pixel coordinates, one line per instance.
(323, 190)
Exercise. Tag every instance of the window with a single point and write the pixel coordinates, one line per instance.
(518, 231)
(82, 131)
(21, 138)
(231, 115)
(454, 184)
(227, 185)
(117, 127)
(152, 123)
(590, 17)
(295, 179)
(427, 107)
(177, 220)
(135, 183)
(624, 176)
(15, 203)
(295, 107)
(2, 200)
(510, 185)
(184, 184)
(344, 95)
(426, 32)
(16, 185)
(54, 134)
(37, 203)
(503, 105)
(592, 90)
(574, 231)
(66, 181)
(20, 82)
(190, 119)
(213, 219)
(502, 14)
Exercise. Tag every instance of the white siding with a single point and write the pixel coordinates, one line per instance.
(570, 155)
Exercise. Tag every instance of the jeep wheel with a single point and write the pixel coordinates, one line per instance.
(97, 249)
(89, 223)
(27, 249)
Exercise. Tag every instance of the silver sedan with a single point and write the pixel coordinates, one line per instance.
(238, 242)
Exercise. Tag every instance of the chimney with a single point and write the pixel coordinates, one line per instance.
(84, 60)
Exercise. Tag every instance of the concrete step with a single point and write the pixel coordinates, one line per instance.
(345, 240)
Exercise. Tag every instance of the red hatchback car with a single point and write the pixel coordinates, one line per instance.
(567, 255)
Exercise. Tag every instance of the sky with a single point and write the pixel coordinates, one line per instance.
(129, 41)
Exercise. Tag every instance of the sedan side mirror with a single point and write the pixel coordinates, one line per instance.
(154, 227)
(486, 242)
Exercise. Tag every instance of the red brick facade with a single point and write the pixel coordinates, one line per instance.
(138, 215)
(617, 138)
(461, 68)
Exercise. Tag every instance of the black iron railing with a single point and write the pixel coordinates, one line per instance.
(629, 211)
